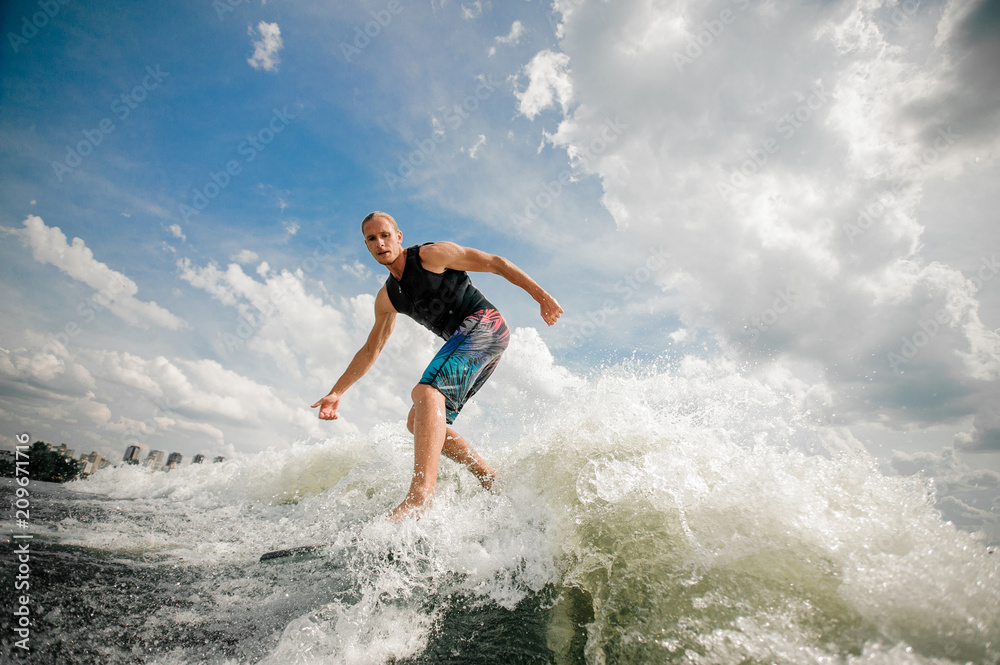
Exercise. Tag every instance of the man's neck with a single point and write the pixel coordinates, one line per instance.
(396, 267)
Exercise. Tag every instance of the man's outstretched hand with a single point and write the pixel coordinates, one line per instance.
(551, 311)
(328, 406)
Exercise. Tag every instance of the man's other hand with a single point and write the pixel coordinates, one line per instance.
(328, 406)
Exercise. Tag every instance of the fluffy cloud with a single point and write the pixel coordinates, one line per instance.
(968, 497)
(116, 398)
(277, 317)
(44, 367)
(312, 338)
(177, 232)
(114, 290)
(267, 48)
(203, 391)
(548, 82)
(791, 190)
(245, 256)
(472, 10)
(511, 38)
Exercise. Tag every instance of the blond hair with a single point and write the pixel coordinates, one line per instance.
(375, 215)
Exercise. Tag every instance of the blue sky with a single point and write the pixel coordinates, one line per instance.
(806, 190)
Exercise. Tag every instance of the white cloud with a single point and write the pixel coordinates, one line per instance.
(291, 343)
(512, 38)
(175, 230)
(45, 364)
(155, 398)
(985, 434)
(474, 150)
(965, 496)
(302, 333)
(357, 269)
(201, 395)
(267, 48)
(245, 256)
(549, 83)
(113, 290)
(310, 340)
(791, 191)
(202, 390)
(472, 10)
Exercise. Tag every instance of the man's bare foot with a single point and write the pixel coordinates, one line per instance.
(492, 482)
(408, 508)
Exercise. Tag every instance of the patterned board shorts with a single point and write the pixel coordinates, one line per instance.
(467, 359)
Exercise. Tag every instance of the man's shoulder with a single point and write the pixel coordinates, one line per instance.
(383, 301)
(432, 246)
(438, 252)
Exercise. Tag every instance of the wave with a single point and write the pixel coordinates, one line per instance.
(682, 515)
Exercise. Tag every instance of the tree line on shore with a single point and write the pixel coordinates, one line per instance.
(42, 464)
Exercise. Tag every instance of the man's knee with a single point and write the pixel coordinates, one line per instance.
(424, 392)
(428, 406)
(410, 419)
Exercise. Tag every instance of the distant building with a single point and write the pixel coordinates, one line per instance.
(198, 459)
(218, 459)
(92, 462)
(155, 459)
(62, 449)
(174, 460)
(133, 455)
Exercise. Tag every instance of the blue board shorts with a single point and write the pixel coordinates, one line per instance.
(467, 359)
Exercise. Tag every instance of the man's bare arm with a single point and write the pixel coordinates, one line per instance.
(385, 322)
(443, 255)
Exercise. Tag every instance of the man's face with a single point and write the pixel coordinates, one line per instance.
(383, 241)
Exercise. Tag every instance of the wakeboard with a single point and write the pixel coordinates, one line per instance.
(292, 552)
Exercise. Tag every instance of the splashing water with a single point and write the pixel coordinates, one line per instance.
(689, 516)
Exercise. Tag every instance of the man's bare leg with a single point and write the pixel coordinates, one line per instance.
(456, 448)
(459, 450)
(428, 439)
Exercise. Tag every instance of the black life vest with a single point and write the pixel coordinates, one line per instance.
(437, 301)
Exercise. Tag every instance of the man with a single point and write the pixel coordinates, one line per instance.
(430, 284)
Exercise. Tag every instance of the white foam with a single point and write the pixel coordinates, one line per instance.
(683, 502)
